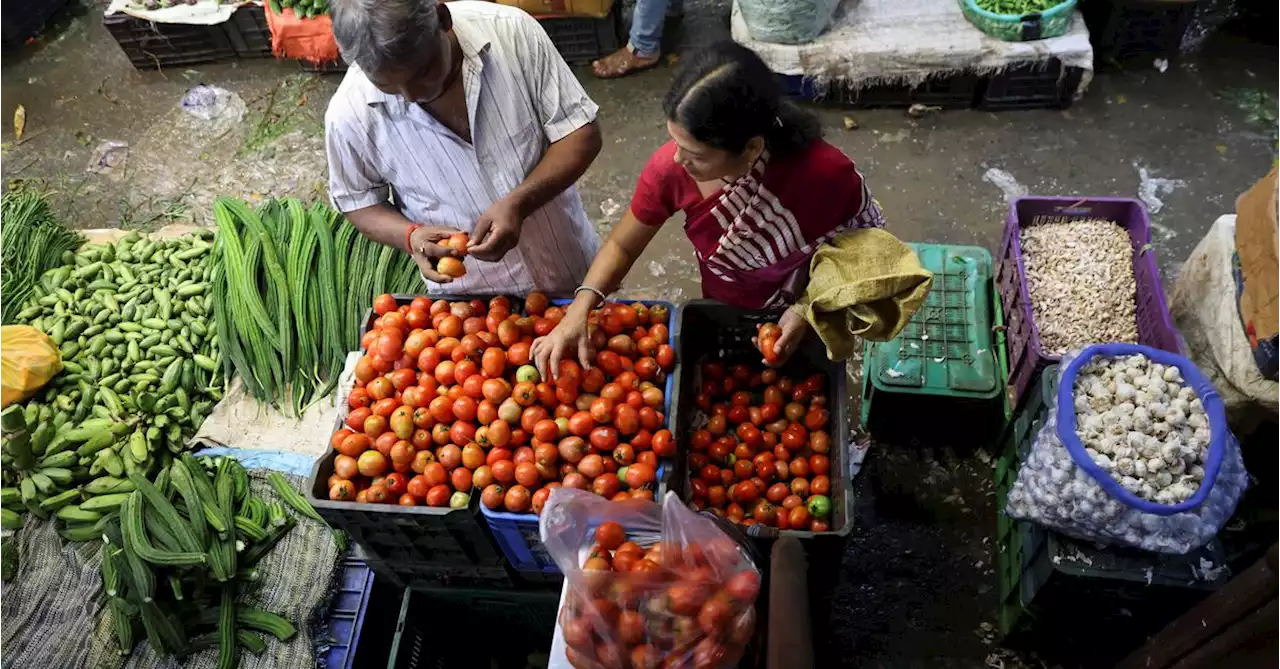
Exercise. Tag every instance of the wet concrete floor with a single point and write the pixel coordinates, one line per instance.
(918, 581)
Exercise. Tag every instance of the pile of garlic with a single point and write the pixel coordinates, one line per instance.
(1141, 423)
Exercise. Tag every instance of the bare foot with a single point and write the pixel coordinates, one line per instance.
(621, 63)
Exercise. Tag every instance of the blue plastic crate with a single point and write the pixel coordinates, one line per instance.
(519, 539)
(517, 534)
(346, 613)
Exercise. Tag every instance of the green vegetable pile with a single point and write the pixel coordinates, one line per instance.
(1018, 7)
(181, 549)
(287, 302)
(31, 242)
(305, 9)
(140, 361)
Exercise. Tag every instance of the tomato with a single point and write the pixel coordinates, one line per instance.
(800, 486)
(397, 484)
(820, 485)
(438, 495)
(421, 459)
(402, 454)
(531, 416)
(591, 466)
(481, 477)
(795, 438)
(504, 471)
(384, 304)
(526, 474)
(799, 517)
(372, 463)
(764, 513)
(342, 491)
(460, 479)
(626, 419)
(606, 485)
(609, 535)
(356, 418)
(462, 433)
(604, 438)
(492, 496)
(640, 475)
(624, 454)
(714, 617)
(418, 486)
(800, 467)
(816, 418)
(663, 445)
(572, 449)
(517, 499)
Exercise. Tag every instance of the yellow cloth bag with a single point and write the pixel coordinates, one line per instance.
(863, 283)
(28, 359)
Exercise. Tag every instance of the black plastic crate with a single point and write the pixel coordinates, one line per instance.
(957, 90)
(24, 18)
(1048, 85)
(714, 330)
(338, 66)
(249, 33)
(583, 39)
(455, 628)
(412, 543)
(1123, 28)
(151, 45)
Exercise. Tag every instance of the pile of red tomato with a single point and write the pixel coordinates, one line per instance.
(446, 402)
(662, 606)
(762, 455)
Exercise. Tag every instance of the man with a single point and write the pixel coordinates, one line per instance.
(470, 116)
(644, 44)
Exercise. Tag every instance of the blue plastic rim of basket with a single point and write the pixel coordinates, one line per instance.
(505, 520)
(1065, 6)
(1205, 391)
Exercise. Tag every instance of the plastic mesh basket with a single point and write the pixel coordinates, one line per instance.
(1037, 568)
(1027, 357)
(1052, 22)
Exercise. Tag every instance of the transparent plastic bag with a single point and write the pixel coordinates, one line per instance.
(30, 359)
(1062, 486)
(687, 600)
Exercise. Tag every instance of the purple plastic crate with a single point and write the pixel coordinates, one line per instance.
(346, 614)
(1027, 358)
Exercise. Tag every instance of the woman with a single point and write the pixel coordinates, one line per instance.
(760, 190)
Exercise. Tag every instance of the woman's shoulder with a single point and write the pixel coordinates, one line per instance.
(821, 160)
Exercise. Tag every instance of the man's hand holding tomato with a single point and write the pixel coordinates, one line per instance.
(437, 250)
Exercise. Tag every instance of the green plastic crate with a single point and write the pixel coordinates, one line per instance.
(1039, 570)
(948, 357)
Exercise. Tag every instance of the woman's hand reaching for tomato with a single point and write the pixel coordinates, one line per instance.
(568, 339)
(778, 341)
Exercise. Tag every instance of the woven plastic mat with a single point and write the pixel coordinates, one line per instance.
(50, 609)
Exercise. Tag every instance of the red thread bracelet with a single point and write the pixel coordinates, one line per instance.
(408, 237)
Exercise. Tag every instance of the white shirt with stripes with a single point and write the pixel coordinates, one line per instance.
(521, 97)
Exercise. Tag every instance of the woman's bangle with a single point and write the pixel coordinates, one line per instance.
(408, 237)
(589, 289)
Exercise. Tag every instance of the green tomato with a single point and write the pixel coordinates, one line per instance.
(819, 506)
(459, 500)
(528, 373)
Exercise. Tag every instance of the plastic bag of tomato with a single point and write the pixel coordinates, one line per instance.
(613, 421)
(672, 589)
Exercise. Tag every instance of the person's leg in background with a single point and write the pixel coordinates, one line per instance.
(644, 47)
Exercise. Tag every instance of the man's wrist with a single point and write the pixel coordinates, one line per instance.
(522, 204)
